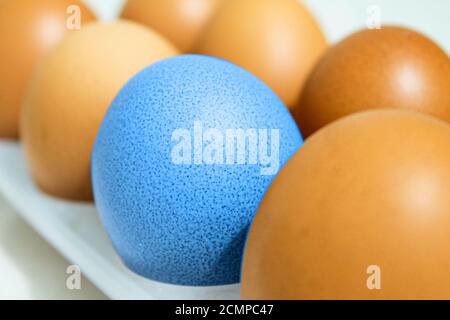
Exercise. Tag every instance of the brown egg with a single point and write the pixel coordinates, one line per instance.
(388, 68)
(29, 29)
(277, 40)
(363, 204)
(69, 95)
(181, 21)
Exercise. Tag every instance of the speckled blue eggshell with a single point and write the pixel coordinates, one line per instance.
(183, 224)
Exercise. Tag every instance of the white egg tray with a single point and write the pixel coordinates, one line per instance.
(74, 229)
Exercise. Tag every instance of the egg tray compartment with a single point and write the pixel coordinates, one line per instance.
(74, 229)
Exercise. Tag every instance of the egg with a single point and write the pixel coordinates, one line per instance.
(375, 69)
(28, 30)
(361, 211)
(69, 94)
(277, 40)
(181, 21)
(182, 160)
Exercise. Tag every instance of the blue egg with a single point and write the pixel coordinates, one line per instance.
(181, 163)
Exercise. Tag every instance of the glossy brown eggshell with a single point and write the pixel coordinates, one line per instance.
(374, 69)
(371, 189)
